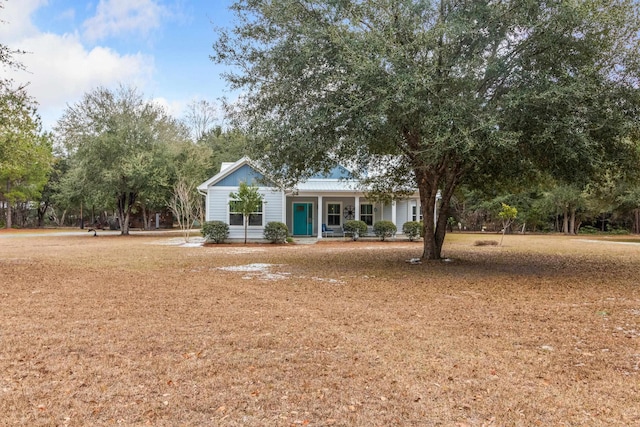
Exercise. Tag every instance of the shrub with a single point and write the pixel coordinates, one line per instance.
(356, 228)
(587, 229)
(617, 231)
(485, 243)
(384, 229)
(215, 231)
(276, 232)
(413, 230)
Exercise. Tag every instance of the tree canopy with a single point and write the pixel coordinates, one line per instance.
(25, 152)
(118, 144)
(455, 91)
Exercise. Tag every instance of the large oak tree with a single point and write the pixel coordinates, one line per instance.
(452, 91)
(118, 144)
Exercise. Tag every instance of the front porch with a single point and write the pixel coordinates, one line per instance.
(305, 214)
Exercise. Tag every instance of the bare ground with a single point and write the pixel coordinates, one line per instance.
(133, 331)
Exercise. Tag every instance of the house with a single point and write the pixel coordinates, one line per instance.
(323, 199)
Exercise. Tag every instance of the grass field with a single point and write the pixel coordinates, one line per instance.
(135, 331)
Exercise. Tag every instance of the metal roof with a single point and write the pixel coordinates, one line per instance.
(328, 185)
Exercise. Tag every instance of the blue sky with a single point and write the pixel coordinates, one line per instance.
(161, 47)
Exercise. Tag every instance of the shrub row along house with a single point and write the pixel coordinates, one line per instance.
(323, 200)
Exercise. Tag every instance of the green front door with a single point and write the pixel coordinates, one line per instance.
(302, 219)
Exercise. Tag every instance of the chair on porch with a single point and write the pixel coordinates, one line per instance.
(326, 232)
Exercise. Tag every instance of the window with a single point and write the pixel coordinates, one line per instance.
(414, 216)
(366, 214)
(235, 217)
(333, 214)
(255, 218)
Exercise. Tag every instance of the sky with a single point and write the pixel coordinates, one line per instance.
(161, 47)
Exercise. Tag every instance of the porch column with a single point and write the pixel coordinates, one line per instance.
(284, 209)
(357, 207)
(393, 212)
(319, 217)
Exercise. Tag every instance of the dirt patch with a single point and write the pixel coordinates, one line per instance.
(123, 330)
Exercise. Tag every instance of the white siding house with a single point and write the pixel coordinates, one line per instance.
(330, 200)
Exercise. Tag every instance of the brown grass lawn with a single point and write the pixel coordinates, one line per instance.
(131, 331)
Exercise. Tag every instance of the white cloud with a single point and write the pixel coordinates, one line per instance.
(60, 68)
(66, 15)
(121, 17)
(174, 108)
(16, 20)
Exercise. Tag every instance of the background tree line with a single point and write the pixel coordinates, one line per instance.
(112, 155)
(475, 103)
(610, 206)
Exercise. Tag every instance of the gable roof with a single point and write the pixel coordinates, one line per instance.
(338, 172)
(228, 169)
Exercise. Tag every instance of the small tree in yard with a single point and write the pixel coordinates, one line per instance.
(507, 215)
(246, 201)
(186, 206)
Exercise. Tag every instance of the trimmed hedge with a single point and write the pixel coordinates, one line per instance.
(276, 232)
(215, 231)
(384, 229)
(356, 228)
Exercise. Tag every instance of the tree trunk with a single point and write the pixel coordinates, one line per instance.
(59, 221)
(572, 222)
(435, 222)
(23, 214)
(9, 215)
(144, 218)
(41, 217)
(8, 212)
(42, 212)
(245, 219)
(125, 226)
(636, 221)
(565, 220)
(428, 203)
(125, 206)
